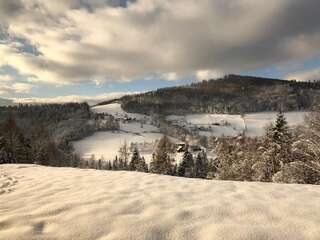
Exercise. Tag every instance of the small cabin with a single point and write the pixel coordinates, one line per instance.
(195, 148)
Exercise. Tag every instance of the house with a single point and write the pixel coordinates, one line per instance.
(195, 148)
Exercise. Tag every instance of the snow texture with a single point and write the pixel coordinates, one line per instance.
(39, 202)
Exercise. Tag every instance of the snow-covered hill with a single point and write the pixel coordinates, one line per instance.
(107, 144)
(39, 202)
(116, 110)
(231, 125)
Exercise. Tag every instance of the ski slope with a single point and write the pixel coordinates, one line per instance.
(38, 202)
(232, 125)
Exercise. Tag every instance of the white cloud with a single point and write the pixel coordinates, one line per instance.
(11, 88)
(208, 74)
(89, 40)
(171, 76)
(22, 87)
(6, 78)
(73, 98)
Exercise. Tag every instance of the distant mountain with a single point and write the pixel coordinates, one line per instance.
(6, 102)
(230, 94)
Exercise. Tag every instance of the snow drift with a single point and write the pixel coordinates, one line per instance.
(39, 202)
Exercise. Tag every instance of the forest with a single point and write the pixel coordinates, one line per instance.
(231, 94)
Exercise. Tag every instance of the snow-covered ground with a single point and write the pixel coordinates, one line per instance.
(39, 202)
(107, 144)
(116, 110)
(231, 125)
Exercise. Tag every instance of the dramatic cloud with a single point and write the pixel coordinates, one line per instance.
(73, 41)
(9, 85)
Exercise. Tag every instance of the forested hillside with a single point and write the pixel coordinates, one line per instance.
(231, 94)
(42, 133)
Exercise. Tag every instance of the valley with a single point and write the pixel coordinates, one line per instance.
(140, 130)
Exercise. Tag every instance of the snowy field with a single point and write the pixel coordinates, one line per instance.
(116, 110)
(39, 202)
(231, 125)
(107, 144)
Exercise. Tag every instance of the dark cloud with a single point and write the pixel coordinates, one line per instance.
(83, 40)
(10, 9)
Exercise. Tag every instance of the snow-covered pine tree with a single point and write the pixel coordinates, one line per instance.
(115, 164)
(306, 154)
(142, 165)
(4, 158)
(283, 137)
(275, 151)
(109, 165)
(124, 154)
(22, 149)
(201, 165)
(135, 159)
(185, 168)
(161, 162)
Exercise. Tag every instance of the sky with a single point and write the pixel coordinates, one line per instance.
(96, 49)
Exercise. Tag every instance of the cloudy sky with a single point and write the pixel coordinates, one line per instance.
(92, 48)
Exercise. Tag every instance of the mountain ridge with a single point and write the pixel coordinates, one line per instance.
(230, 94)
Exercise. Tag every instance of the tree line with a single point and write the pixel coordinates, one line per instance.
(230, 94)
(282, 155)
(161, 162)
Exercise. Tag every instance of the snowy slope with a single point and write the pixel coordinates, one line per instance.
(231, 125)
(256, 122)
(107, 144)
(116, 110)
(64, 203)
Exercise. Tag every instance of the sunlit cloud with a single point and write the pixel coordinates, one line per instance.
(305, 75)
(66, 42)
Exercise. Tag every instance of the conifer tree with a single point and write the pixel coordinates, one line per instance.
(161, 162)
(4, 158)
(142, 165)
(109, 165)
(124, 154)
(201, 165)
(276, 150)
(186, 166)
(135, 159)
(115, 164)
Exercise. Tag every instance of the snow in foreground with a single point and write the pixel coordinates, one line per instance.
(63, 203)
